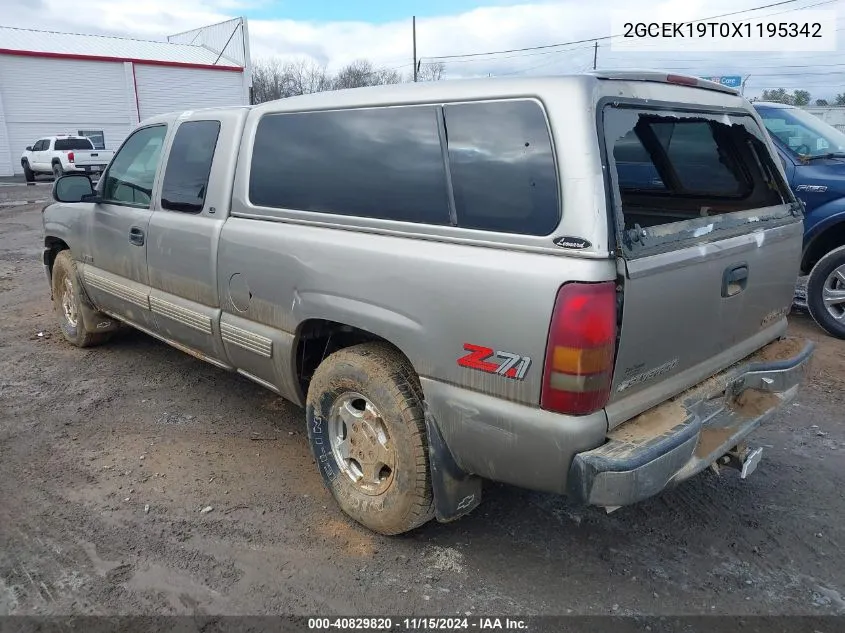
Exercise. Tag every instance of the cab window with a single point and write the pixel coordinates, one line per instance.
(130, 178)
(189, 166)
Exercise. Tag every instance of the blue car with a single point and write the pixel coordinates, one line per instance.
(813, 156)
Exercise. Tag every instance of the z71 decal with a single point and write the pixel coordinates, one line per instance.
(493, 362)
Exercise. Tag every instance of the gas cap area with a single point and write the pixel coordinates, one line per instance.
(239, 292)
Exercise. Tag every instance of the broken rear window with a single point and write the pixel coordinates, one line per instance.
(676, 166)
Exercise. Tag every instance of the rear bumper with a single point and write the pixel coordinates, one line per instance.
(507, 441)
(85, 169)
(683, 436)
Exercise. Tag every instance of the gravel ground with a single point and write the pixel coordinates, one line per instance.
(110, 459)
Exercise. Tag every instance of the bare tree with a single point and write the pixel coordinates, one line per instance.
(305, 77)
(383, 76)
(267, 80)
(361, 73)
(431, 71)
(354, 75)
(273, 79)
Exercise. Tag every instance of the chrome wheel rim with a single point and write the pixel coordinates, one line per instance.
(833, 293)
(69, 302)
(361, 444)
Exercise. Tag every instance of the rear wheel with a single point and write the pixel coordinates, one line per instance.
(366, 428)
(58, 172)
(826, 292)
(66, 302)
(28, 174)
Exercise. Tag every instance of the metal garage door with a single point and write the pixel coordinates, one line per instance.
(46, 96)
(164, 89)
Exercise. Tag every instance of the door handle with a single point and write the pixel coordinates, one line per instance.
(734, 280)
(136, 236)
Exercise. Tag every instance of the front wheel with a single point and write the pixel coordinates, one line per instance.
(367, 432)
(826, 292)
(66, 303)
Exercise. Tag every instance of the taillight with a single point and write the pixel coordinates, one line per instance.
(70, 156)
(580, 351)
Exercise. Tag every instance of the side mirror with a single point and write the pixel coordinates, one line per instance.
(74, 188)
(29, 148)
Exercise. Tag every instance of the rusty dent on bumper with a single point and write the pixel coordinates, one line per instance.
(681, 437)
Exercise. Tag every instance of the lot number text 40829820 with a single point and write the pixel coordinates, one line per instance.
(418, 624)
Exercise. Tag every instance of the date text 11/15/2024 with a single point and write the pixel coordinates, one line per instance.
(417, 624)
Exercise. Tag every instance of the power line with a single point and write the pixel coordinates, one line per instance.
(749, 19)
(524, 70)
(495, 59)
(695, 68)
(586, 46)
(605, 37)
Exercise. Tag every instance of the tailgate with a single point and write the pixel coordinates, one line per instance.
(710, 238)
(97, 157)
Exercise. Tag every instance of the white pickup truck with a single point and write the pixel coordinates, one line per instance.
(61, 154)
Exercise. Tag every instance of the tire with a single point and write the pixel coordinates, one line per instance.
(66, 302)
(58, 171)
(385, 441)
(827, 281)
(28, 174)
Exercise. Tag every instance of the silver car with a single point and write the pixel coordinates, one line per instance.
(571, 284)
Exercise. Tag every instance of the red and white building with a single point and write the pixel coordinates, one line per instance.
(102, 87)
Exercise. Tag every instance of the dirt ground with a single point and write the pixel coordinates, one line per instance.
(108, 457)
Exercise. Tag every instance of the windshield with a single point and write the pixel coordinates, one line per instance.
(64, 144)
(804, 134)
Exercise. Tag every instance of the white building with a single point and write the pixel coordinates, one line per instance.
(833, 115)
(101, 87)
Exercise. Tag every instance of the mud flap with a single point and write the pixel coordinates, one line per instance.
(93, 320)
(456, 492)
(97, 321)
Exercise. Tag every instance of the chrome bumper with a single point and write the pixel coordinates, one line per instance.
(683, 436)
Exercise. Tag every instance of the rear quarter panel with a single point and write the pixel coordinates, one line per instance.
(428, 298)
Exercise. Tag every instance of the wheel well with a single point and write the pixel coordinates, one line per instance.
(830, 238)
(318, 338)
(55, 160)
(56, 246)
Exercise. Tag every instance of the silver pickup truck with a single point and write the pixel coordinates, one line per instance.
(571, 284)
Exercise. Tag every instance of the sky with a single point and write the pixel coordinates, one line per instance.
(335, 32)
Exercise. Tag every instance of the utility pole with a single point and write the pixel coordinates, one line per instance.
(414, 23)
(595, 55)
(742, 87)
